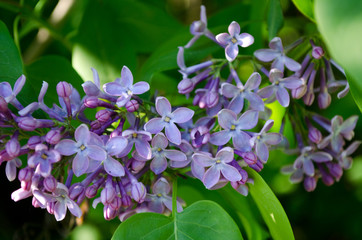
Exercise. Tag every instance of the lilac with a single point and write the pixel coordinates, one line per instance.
(114, 146)
(12, 147)
(10, 168)
(310, 183)
(83, 149)
(208, 97)
(43, 158)
(168, 120)
(262, 139)
(276, 53)
(233, 128)
(307, 157)
(124, 87)
(94, 89)
(186, 71)
(343, 158)
(159, 199)
(199, 136)
(278, 87)
(234, 39)
(9, 94)
(50, 183)
(138, 192)
(64, 90)
(240, 92)
(132, 105)
(314, 135)
(53, 136)
(297, 173)
(218, 164)
(140, 139)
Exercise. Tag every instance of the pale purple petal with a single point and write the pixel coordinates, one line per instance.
(175, 155)
(82, 134)
(229, 90)
(168, 203)
(180, 58)
(266, 91)
(10, 170)
(163, 106)
(123, 99)
(292, 82)
(220, 138)
(308, 167)
(140, 87)
(248, 119)
(272, 138)
(80, 164)
(226, 154)
(113, 88)
(159, 141)
(231, 51)
(321, 157)
(45, 168)
(226, 118)
(211, 177)
(337, 142)
(116, 145)
(74, 208)
(234, 28)
(256, 103)
(266, 55)
(278, 64)
(291, 64)
(352, 148)
(348, 125)
(267, 126)
(297, 176)
(223, 38)
(161, 186)
(143, 148)
(96, 153)
(241, 141)
(172, 133)
(262, 151)
(182, 114)
(159, 164)
(96, 78)
(276, 43)
(197, 170)
(230, 173)
(246, 39)
(253, 81)
(155, 125)
(19, 85)
(156, 206)
(66, 147)
(283, 96)
(237, 104)
(126, 77)
(203, 159)
(60, 210)
(113, 167)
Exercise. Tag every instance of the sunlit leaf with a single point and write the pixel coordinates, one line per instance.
(305, 7)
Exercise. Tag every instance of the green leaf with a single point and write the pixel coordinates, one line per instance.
(275, 18)
(270, 208)
(305, 7)
(11, 65)
(339, 23)
(202, 220)
(52, 69)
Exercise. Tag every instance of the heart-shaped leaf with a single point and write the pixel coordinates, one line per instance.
(201, 220)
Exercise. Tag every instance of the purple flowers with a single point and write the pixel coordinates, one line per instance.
(234, 39)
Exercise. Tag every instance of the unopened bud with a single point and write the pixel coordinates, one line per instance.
(324, 99)
(317, 52)
(249, 158)
(138, 192)
(103, 115)
(27, 123)
(132, 105)
(91, 191)
(64, 89)
(50, 183)
(53, 136)
(315, 135)
(310, 184)
(33, 141)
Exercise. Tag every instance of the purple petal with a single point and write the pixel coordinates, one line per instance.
(163, 106)
(175, 155)
(262, 151)
(60, 210)
(241, 141)
(253, 81)
(283, 96)
(80, 164)
(348, 125)
(266, 91)
(96, 78)
(226, 154)
(297, 176)
(143, 148)
(116, 145)
(159, 141)
(267, 126)
(276, 43)
(234, 28)
(220, 138)
(82, 134)
(173, 134)
(272, 138)
(223, 38)
(352, 148)
(292, 82)
(45, 168)
(66, 147)
(19, 85)
(278, 63)
(161, 186)
(126, 77)
(155, 125)
(248, 119)
(156, 206)
(266, 55)
(246, 39)
(256, 103)
(211, 177)
(231, 51)
(96, 153)
(5, 89)
(237, 104)
(113, 88)
(74, 208)
(197, 170)
(229, 90)
(159, 164)
(182, 114)
(180, 58)
(113, 167)
(337, 143)
(308, 167)
(230, 173)
(321, 157)
(123, 99)
(203, 159)
(140, 87)
(291, 64)
(226, 118)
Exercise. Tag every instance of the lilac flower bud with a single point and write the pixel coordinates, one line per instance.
(132, 105)
(137, 165)
(27, 123)
(95, 125)
(50, 207)
(258, 166)
(35, 203)
(324, 99)
(116, 203)
(240, 188)
(317, 52)
(107, 195)
(4, 108)
(309, 98)
(25, 174)
(64, 89)
(314, 135)
(109, 213)
(126, 201)
(75, 190)
(91, 191)
(12, 147)
(185, 86)
(200, 136)
(50, 183)
(91, 102)
(103, 115)
(299, 92)
(327, 179)
(310, 184)
(25, 185)
(249, 157)
(138, 192)
(335, 170)
(53, 136)
(33, 141)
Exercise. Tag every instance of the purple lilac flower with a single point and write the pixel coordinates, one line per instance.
(240, 92)
(84, 150)
(307, 157)
(233, 129)
(338, 131)
(168, 120)
(186, 71)
(262, 139)
(208, 97)
(140, 139)
(160, 154)
(10, 169)
(124, 87)
(234, 39)
(278, 87)
(218, 164)
(297, 173)
(43, 158)
(344, 158)
(9, 94)
(277, 54)
(159, 199)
